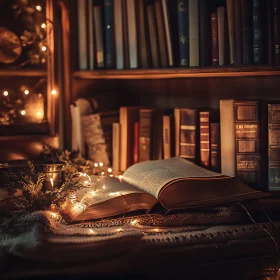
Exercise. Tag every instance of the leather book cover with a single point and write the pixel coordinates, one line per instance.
(204, 33)
(238, 31)
(99, 38)
(270, 31)
(157, 139)
(194, 32)
(215, 147)
(189, 134)
(274, 147)
(161, 35)
(183, 32)
(109, 33)
(214, 39)
(125, 34)
(119, 36)
(142, 34)
(276, 25)
(248, 136)
(258, 32)
(231, 31)
(247, 31)
(136, 143)
(90, 33)
(145, 134)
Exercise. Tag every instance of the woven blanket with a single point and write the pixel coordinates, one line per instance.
(131, 243)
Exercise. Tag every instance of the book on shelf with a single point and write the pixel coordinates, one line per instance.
(276, 29)
(109, 33)
(174, 184)
(215, 40)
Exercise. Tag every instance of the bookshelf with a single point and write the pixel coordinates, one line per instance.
(28, 82)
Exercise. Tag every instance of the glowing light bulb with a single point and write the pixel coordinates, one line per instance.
(91, 231)
(96, 165)
(118, 229)
(53, 92)
(6, 93)
(26, 92)
(38, 8)
(102, 173)
(23, 112)
(110, 170)
(101, 164)
(44, 48)
(111, 175)
(43, 25)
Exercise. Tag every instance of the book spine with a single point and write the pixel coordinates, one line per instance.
(177, 131)
(118, 28)
(142, 35)
(214, 33)
(136, 143)
(247, 31)
(145, 123)
(274, 147)
(247, 130)
(221, 34)
(157, 139)
(270, 30)
(215, 147)
(258, 32)
(276, 17)
(189, 135)
(167, 29)
(132, 37)
(183, 30)
(204, 128)
(194, 32)
(99, 37)
(204, 33)
(227, 137)
(125, 35)
(238, 31)
(109, 39)
(231, 32)
(153, 36)
(166, 137)
(161, 34)
(82, 35)
(91, 51)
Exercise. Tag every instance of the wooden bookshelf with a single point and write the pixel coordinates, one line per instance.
(23, 73)
(191, 72)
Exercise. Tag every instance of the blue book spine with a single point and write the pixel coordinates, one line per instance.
(109, 33)
(183, 31)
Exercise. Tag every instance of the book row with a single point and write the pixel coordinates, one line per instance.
(162, 33)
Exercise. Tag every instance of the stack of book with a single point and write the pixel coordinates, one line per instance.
(163, 33)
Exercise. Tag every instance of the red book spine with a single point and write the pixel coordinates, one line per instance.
(136, 143)
(276, 25)
(214, 34)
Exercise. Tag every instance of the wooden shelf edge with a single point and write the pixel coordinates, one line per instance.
(174, 73)
(22, 73)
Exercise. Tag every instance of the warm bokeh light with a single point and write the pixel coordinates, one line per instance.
(6, 93)
(53, 92)
(23, 112)
(26, 92)
(43, 25)
(39, 8)
(44, 48)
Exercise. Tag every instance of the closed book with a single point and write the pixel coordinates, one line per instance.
(189, 134)
(136, 143)
(128, 116)
(276, 24)
(248, 137)
(125, 35)
(247, 31)
(153, 36)
(183, 31)
(231, 31)
(204, 33)
(161, 34)
(142, 33)
(194, 32)
(227, 137)
(116, 147)
(82, 35)
(214, 37)
(274, 147)
(99, 39)
(167, 29)
(157, 139)
(91, 51)
(205, 118)
(238, 31)
(258, 32)
(132, 37)
(166, 134)
(109, 33)
(221, 34)
(145, 134)
(270, 31)
(118, 32)
(177, 131)
(215, 147)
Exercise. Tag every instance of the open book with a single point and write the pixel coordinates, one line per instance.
(174, 183)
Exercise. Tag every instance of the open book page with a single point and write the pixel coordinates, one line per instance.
(151, 176)
(104, 189)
